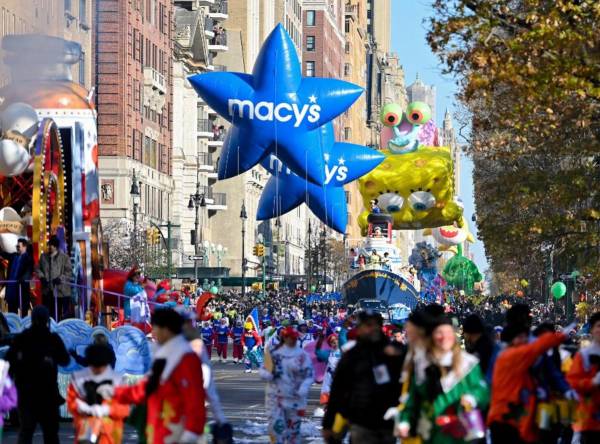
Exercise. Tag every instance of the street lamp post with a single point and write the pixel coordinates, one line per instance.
(324, 251)
(309, 274)
(135, 194)
(196, 202)
(243, 217)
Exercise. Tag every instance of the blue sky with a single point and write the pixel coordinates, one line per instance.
(408, 40)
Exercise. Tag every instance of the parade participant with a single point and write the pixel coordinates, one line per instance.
(250, 343)
(478, 342)
(452, 384)
(132, 287)
(54, 270)
(267, 331)
(210, 388)
(386, 261)
(304, 336)
(20, 269)
(238, 349)
(208, 334)
(98, 339)
(584, 377)
(365, 385)
(375, 206)
(265, 317)
(8, 393)
(290, 375)
(34, 359)
(374, 258)
(222, 333)
(91, 413)
(511, 418)
(332, 357)
(173, 390)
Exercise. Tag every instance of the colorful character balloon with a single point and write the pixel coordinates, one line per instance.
(344, 162)
(415, 183)
(424, 258)
(275, 110)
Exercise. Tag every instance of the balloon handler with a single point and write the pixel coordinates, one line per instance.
(96, 420)
(251, 344)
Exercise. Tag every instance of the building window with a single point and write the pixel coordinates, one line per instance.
(68, 6)
(310, 69)
(347, 48)
(82, 69)
(347, 69)
(347, 27)
(347, 133)
(83, 12)
(310, 42)
(310, 18)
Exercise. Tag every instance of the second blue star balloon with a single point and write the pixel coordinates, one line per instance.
(274, 108)
(343, 163)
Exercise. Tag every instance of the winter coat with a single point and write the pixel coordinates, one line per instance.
(83, 387)
(513, 387)
(34, 358)
(130, 289)
(580, 377)
(20, 269)
(440, 395)
(174, 395)
(356, 395)
(53, 267)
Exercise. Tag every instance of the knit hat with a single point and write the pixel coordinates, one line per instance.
(473, 324)
(289, 332)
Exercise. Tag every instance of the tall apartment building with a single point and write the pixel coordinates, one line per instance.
(247, 26)
(354, 128)
(134, 60)
(199, 37)
(69, 19)
(424, 93)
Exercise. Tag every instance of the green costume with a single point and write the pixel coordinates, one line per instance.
(423, 406)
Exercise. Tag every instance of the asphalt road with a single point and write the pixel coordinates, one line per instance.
(243, 399)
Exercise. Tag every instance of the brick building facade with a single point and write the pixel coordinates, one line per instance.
(134, 52)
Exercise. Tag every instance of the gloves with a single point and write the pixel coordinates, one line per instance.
(245, 349)
(106, 391)
(391, 413)
(255, 348)
(569, 328)
(56, 281)
(571, 395)
(84, 408)
(100, 411)
(596, 380)
(402, 430)
(190, 438)
(468, 402)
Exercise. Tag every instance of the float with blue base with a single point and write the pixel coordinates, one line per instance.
(382, 285)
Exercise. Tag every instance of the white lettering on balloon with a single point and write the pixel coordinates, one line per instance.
(342, 173)
(268, 111)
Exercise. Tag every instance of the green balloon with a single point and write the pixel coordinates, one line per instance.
(558, 290)
(313, 287)
(214, 290)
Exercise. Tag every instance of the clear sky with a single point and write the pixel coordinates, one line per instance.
(409, 27)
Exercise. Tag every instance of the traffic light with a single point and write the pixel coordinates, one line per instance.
(193, 237)
(258, 250)
(149, 235)
(156, 237)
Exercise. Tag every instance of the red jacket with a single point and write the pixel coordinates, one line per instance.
(513, 388)
(177, 404)
(580, 377)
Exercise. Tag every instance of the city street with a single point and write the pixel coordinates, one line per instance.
(243, 398)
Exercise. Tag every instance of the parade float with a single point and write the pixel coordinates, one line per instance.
(49, 160)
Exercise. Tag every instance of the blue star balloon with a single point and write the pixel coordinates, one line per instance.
(343, 163)
(274, 107)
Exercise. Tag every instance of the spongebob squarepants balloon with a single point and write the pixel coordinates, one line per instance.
(415, 183)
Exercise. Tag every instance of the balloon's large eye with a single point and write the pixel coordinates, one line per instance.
(390, 202)
(421, 200)
(391, 115)
(418, 113)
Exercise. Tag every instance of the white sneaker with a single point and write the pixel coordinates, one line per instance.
(247, 370)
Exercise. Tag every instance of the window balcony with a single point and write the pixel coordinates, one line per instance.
(219, 202)
(205, 162)
(154, 80)
(205, 128)
(219, 10)
(219, 42)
